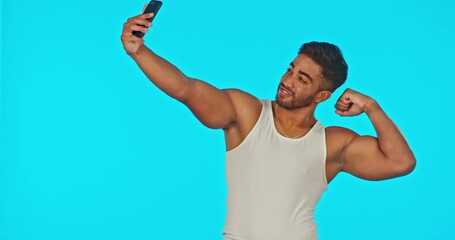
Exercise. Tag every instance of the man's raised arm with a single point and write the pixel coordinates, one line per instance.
(213, 107)
(386, 156)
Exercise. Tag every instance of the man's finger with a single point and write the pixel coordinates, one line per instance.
(136, 25)
(138, 28)
(341, 113)
(345, 99)
(147, 15)
(339, 103)
(140, 21)
(342, 109)
(141, 16)
(343, 104)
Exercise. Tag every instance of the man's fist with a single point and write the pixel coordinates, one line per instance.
(352, 103)
(130, 42)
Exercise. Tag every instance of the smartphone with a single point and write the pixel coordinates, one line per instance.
(153, 7)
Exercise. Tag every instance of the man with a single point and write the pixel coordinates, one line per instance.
(279, 158)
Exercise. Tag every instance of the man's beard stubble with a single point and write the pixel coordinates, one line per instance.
(294, 103)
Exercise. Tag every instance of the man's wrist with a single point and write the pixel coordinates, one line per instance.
(371, 106)
(138, 52)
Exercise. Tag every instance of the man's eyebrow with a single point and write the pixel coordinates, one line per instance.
(302, 72)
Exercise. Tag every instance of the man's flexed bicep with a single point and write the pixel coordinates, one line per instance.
(386, 156)
(363, 158)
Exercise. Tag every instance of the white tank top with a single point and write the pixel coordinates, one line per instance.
(274, 183)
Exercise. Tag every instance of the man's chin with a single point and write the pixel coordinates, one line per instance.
(283, 103)
(282, 99)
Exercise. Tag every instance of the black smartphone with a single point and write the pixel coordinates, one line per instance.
(153, 7)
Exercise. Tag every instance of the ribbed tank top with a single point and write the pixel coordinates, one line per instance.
(274, 183)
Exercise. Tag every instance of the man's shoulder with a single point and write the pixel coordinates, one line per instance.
(338, 137)
(248, 109)
(339, 131)
(238, 93)
(243, 101)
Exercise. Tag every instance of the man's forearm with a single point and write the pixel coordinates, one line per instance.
(162, 73)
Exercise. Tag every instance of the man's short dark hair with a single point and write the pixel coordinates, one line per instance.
(330, 58)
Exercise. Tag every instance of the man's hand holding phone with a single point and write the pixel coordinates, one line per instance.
(135, 27)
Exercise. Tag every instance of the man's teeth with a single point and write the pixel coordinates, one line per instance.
(286, 91)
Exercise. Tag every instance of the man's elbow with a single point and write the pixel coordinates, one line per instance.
(406, 165)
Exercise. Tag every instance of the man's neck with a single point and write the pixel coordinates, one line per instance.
(294, 121)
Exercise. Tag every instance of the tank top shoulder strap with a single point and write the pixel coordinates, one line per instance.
(266, 112)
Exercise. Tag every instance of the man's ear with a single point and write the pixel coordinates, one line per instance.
(322, 96)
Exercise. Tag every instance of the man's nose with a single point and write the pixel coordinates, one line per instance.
(288, 82)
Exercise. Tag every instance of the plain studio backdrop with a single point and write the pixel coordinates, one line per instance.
(90, 149)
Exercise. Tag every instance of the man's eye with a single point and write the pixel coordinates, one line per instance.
(302, 80)
(288, 70)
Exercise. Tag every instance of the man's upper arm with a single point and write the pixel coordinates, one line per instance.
(215, 108)
(362, 157)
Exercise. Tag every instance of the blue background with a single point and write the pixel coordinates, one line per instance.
(90, 149)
